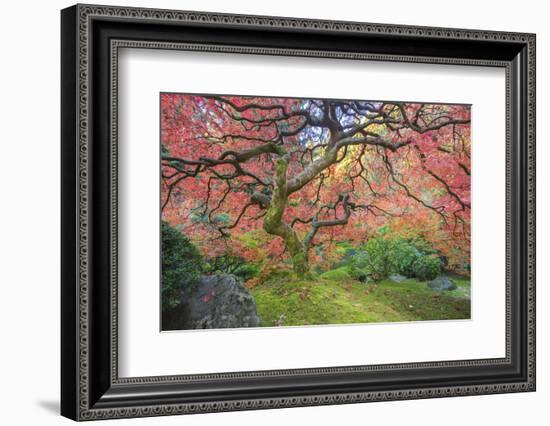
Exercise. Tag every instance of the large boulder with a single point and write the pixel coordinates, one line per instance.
(397, 278)
(442, 284)
(218, 301)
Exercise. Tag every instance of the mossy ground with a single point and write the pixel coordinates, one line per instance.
(335, 298)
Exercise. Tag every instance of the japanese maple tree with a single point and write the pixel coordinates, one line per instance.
(312, 172)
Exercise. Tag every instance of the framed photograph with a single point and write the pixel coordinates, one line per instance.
(263, 212)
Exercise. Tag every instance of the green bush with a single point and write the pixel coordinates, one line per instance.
(404, 254)
(423, 246)
(247, 271)
(384, 255)
(426, 267)
(358, 274)
(373, 259)
(229, 264)
(181, 265)
(381, 256)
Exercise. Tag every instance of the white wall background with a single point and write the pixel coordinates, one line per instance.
(29, 217)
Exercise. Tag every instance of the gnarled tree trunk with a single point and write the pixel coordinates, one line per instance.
(273, 220)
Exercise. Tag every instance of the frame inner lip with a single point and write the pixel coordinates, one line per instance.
(115, 45)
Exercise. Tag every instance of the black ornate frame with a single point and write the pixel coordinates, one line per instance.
(91, 37)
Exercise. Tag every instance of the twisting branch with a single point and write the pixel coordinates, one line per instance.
(348, 207)
(407, 190)
(343, 199)
(448, 188)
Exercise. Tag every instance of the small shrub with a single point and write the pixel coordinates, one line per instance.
(374, 258)
(358, 274)
(427, 268)
(404, 254)
(378, 258)
(247, 271)
(181, 265)
(384, 254)
(423, 246)
(229, 264)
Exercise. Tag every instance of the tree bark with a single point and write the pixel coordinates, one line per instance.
(273, 220)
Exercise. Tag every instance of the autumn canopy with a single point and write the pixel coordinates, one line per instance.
(286, 179)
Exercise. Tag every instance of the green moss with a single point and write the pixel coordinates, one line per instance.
(342, 273)
(334, 298)
(463, 287)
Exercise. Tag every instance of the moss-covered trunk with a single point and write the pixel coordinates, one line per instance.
(298, 254)
(273, 220)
